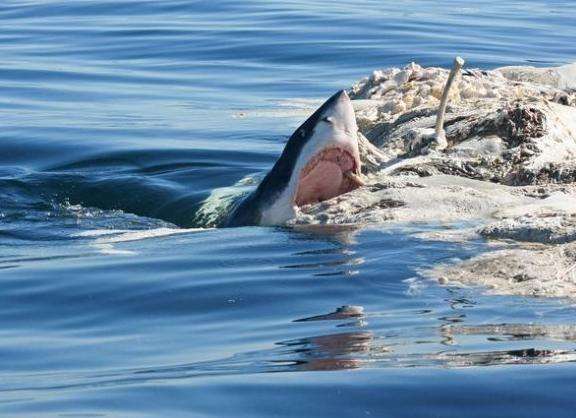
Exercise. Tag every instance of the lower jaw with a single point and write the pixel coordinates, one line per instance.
(330, 173)
(349, 181)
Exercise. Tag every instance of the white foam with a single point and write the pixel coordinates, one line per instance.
(220, 200)
(106, 238)
(126, 236)
(100, 232)
(109, 249)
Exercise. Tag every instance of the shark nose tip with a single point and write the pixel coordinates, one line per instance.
(340, 96)
(343, 95)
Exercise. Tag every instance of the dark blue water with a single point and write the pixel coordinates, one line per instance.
(120, 119)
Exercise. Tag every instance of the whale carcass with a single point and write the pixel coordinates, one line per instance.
(509, 166)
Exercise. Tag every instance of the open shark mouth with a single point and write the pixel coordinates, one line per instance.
(330, 173)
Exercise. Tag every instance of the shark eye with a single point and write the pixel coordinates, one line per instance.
(327, 119)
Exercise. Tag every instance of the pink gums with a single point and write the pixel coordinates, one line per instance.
(324, 177)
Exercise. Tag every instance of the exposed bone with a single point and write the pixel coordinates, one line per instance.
(510, 170)
(457, 67)
(423, 140)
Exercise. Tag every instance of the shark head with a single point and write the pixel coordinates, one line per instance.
(320, 161)
(329, 162)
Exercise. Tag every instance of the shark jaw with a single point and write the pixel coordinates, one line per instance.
(331, 172)
(327, 164)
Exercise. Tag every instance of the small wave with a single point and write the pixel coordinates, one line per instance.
(289, 108)
(105, 239)
(110, 237)
(333, 352)
(214, 208)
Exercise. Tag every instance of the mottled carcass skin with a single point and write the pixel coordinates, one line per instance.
(508, 141)
(509, 168)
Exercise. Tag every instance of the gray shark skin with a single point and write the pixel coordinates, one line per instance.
(272, 203)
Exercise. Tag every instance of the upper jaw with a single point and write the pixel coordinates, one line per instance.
(341, 112)
(343, 130)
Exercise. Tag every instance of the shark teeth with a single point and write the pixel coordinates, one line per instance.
(354, 178)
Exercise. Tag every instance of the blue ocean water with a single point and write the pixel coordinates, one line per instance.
(119, 118)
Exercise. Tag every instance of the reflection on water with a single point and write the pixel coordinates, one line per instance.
(360, 348)
(343, 312)
(339, 260)
(302, 318)
(364, 348)
(330, 352)
(515, 332)
(507, 357)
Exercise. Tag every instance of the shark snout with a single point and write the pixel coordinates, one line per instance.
(341, 113)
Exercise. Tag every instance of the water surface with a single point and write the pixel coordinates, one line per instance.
(120, 119)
